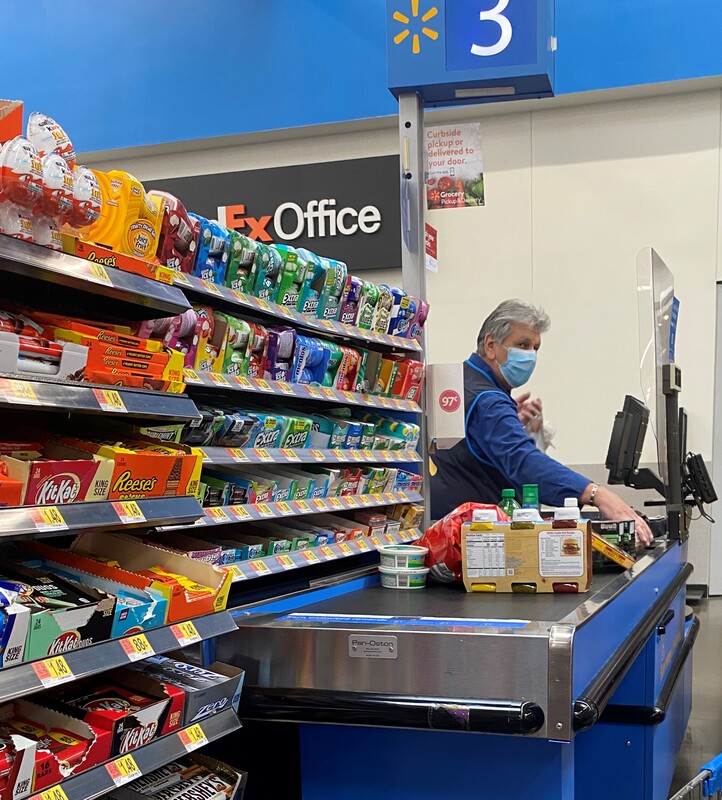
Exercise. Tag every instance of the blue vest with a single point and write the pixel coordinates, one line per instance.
(461, 474)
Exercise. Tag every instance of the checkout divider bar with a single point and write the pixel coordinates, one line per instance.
(589, 707)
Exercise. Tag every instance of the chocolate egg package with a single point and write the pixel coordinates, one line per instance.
(179, 233)
(21, 173)
(56, 200)
(47, 136)
(87, 199)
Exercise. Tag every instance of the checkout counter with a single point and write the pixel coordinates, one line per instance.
(440, 693)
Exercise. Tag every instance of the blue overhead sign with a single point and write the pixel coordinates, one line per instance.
(470, 51)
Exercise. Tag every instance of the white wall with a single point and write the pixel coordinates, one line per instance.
(572, 195)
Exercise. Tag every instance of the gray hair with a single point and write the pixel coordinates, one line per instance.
(509, 313)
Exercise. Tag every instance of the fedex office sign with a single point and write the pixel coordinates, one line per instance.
(291, 221)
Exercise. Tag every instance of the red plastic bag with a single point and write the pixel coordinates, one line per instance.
(443, 539)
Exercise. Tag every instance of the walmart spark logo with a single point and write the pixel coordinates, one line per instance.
(406, 32)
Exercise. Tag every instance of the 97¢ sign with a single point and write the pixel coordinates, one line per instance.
(449, 401)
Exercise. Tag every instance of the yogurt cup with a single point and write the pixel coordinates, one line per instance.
(403, 578)
(403, 556)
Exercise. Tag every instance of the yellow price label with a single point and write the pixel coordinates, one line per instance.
(191, 376)
(318, 455)
(236, 454)
(380, 337)
(259, 567)
(388, 455)
(319, 504)
(264, 510)
(390, 497)
(239, 297)
(327, 553)
(285, 562)
(181, 278)
(129, 512)
(185, 633)
(390, 538)
(264, 304)
(350, 500)
(52, 671)
(363, 545)
(385, 402)
(235, 572)
(290, 455)
(218, 379)
(243, 382)
(99, 274)
(264, 386)
(137, 647)
(366, 499)
(350, 396)
(357, 455)
(287, 312)
(329, 324)
(310, 556)
(241, 513)
(19, 392)
(376, 541)
(329, 393)
(262, 455)
(402, 496)
(334, 502)
(399, 404)
(48, 518)
(192, 738)
(211, 288)
(345, 549)
(123, 770)
(217, 514)
(302, 505)
(313, 391)
(110, 400)
(405, 536)
(284, 387)
(284, 508)
(340, 455)
(54, 793)
(368, 454)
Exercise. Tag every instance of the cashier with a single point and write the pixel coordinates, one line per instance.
(497, 452)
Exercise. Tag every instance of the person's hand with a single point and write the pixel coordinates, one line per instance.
(612, 507)
(528, 409)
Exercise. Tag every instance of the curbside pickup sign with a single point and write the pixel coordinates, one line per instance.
(348, 210)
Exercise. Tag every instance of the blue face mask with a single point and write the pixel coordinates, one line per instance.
(519, 366)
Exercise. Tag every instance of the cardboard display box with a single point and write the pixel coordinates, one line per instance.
(496, 557)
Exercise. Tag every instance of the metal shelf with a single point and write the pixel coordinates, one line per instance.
(40, 263)
(230, 456)
(85, 661)
(96, 781)
(17, 391)
(226, 515)
(33, 521)
(212, 292)
(291, 391)
(283, 562)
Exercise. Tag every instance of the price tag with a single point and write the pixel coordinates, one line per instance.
(241, 513)
(211, 288)
(54, 793)
(345, 549)
(235, 572)
(181, 278)
(191, 376)
(340, 455)
(349, 329)
(329, 393)
(284, 508)
(285, 562)
(263, 455)
(19, 392)
(137, 647)
(320, 505)
(284, 387)
(378, 336)
(185, 633)
(385, 402)
(310, 556)
(318, 455)
(47, 518)
(399, 404)
(110, 400)
(363, 545)
(242, 381)
(264, 304)
(123, 770)
(387, 455)
(329, 324)
(259, 567)
(357, 455)
(264, 510)
(192, 738)
(53, 671)
(98, 274)
(350, 396)
(334, 502)
(366, 499)
(286, 312)
(314, 391)
(290, 455)
(402, 496)
(389, 537)
(218, 379)
(129, 512)
(368, 454)
(405, 536)
(236, 454)
(264, 386)
(376, 541)
(371, 400)
(328, 553)
(302, 506)
(390, 497)
(217, 514)
(350, 500)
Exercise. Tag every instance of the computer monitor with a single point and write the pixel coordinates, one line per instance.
(626, 442)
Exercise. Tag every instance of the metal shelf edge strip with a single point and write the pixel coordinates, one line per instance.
(228, 456)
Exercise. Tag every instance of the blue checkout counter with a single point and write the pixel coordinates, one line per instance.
(444, 694)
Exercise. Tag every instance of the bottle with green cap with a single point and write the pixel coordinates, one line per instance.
(508, 503)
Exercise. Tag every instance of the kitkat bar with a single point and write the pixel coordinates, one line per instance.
(137, 557)
(142, 470)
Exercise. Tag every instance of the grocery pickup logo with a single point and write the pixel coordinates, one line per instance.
(409, 25)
